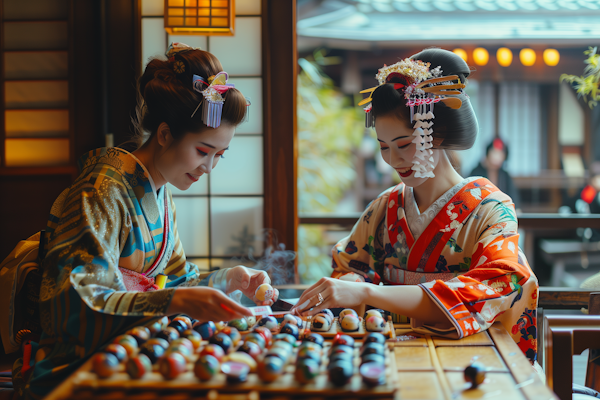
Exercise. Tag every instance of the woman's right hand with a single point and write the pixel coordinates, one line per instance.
(206, 304)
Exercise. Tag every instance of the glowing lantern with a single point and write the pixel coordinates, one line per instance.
(527, 57)
(504, 56)
(481, 56)
(551, 57)
(461, 53)
(199, 17)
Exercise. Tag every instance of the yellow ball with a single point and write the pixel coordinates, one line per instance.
(264, 292)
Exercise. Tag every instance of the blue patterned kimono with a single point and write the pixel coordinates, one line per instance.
(108, 219)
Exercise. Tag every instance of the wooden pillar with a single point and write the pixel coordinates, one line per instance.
(280, 142)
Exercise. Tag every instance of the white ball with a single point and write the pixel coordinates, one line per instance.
(350, 323)
(320, 323)
(346, 312)
(375, 324)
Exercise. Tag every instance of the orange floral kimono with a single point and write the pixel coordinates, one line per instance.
(463, 251)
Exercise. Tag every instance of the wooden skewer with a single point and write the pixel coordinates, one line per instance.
(371, 90)
(434, 88)
(452, 102)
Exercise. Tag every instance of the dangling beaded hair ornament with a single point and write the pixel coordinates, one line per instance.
(211, 89)
(422, 88)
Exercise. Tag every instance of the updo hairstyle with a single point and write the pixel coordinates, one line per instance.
(452, 129)
(166, 94)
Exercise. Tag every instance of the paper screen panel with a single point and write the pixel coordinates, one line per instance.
(37, 123)
(197, 188)
(240, 54)
(192, 224)
(35, 9)
(36, 65)
(36, 152)
(241, 171)
(41, 35)
(247, 7)
(153, 7)
(37, 94)
(236, 225)
(154, 42)
(250, 87)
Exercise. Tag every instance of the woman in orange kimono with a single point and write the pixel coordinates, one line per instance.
(445, 248)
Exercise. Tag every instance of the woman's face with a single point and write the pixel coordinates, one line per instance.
(182, 162)
(397, 149)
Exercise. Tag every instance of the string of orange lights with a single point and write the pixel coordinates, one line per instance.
(504, 56)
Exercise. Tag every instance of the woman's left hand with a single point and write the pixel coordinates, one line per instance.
(248, 280)
(334, 293)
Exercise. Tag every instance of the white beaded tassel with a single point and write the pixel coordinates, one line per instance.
(423, 160)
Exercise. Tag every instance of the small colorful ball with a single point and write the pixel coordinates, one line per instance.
(117, 350)
(251, 348)
(269, 322)
(206, 329)
(164, 322)
(327, 316)
(292, 319)
(373, 373)
(315, 338)
(282, 344)
(374, 312)
(233, 333)
(243, 358)
(340, 372)
(169, 334)
(153, 351)
(141, 334)
(239, 324)
(220, 325)
(138, 366)
(184, 342)
(341, 348)
(340, 356)
(222, 340)
(374, 337)
(285, 337)
(155, 327)
(236, 372)
(105, 364)
(213, 350)
(265, 333)
(269, 369)
(378, 358)
(328, 312)
(475, 374)
(372, 348)
(172, 365)
(375, 324)
(181, 349)
(307, 353)
(206, 367)
(320, 323)
(347, 311)
(128, 342)
(350, 323)
(306, 370)
(251, 320)
(178, 325)
(264, 292)
(312, 347)
(161, 342)
(256, 338)
(278, 352)
(291, 330)
(343, 339)
(193, 337)
(185, 319)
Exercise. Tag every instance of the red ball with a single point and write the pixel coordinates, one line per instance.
(213, 350)
(105, 364)
(172, 365)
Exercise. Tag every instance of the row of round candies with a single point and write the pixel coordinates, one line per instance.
(372, 359)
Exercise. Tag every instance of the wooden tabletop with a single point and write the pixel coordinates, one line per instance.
(426, 368)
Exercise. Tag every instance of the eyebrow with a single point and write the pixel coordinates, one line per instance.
(393, 140)
(212, 147)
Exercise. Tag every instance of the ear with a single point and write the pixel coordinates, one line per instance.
(163, 135)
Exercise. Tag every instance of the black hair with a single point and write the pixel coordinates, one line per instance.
(452, 129)
(498, 144)
(166, 94)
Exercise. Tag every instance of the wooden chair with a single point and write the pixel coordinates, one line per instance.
(565, 336)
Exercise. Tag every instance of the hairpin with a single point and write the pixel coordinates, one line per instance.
(212, 102)
(178, 47)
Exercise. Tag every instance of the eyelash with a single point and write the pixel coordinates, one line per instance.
(205, 154)
(400, 147)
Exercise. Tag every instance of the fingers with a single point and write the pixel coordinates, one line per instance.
(308, 294)
(315, 304)
(232, 309)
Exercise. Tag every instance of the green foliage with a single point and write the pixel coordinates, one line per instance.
(587, 84)
(329, 130)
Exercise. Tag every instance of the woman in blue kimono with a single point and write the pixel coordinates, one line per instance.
(114, 230)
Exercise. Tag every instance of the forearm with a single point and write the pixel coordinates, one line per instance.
(409, 300)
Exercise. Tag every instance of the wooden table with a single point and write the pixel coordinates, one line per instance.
(427, 368)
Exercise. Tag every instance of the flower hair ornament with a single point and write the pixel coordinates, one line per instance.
(212, 91)
(422, 88)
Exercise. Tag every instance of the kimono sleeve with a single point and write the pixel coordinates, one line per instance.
(181, 271)
(357, 256)
(84, 252)
(499, 284)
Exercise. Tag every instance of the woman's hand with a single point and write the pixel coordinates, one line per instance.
(206, 304)
(334, 292)
(248, 280)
